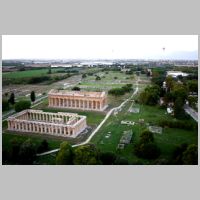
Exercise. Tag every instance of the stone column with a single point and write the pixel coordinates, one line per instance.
(9, 127)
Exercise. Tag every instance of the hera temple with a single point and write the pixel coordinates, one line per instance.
(62, 123)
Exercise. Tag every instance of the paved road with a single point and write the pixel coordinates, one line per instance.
(191, 112)
(99, 126)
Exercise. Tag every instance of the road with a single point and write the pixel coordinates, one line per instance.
(191, 112)
(99, 126)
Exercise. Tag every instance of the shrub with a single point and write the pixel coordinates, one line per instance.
(98, 78)
(39, 79)
(121, 161)
(27, 152)
(22, 105)
(147, 150)
(188, 125)
(5, 105)
(107, 158)
(146, 137)
(120, 91)
(116, 91)
(84, 76)
(44, 146)
(76, 88)
(190, 156)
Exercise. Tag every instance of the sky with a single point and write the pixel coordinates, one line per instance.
(99, 46)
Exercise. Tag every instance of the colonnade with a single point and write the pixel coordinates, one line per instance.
(85, 104)
(42, 122)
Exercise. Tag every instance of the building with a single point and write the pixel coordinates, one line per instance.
(125, 69)
(57, 124)
(82, 100)
(174, 74)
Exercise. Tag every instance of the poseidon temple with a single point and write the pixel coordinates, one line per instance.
(37, 121)
(78, 100)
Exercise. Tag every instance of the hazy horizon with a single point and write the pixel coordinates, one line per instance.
(94, 47)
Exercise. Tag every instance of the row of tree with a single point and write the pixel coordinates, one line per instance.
(121, 91)
(86, 155)
(20, 105)
(23, 152)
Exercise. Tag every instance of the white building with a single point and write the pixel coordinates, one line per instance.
(174, 74)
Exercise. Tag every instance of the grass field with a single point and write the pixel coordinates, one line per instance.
(93, 118)
(167, 141)
(27, 73)
(109, 80)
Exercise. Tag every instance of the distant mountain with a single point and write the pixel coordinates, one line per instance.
(183, 55)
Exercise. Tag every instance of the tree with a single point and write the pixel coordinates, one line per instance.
(32, 96)
(179, 112)
(5, 105)
(190, 156)
(15, 147)
(121, 161)
(146, 137)
(86, 155)
(116, 91)
(27, 152)
(147, 150)
(169, 83)
(193, 86)
(65, 155)
(179, 91)
(22, 105)
(98, 78)
(49, 71)
(178, 154)
(76, 88)
(12, 98)
(44, 146)
(107, 158)
(150, 95)
(84, 76)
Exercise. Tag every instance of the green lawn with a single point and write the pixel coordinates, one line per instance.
(93, 118)
(113, 79)
(27, 73)
(167, 141)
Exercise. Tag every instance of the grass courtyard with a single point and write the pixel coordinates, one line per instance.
(167, 141)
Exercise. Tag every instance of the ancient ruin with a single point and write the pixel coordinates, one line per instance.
(78, 100)
(57, 124)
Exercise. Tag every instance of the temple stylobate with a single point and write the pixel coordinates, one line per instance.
(58, 124)
(82, 100)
